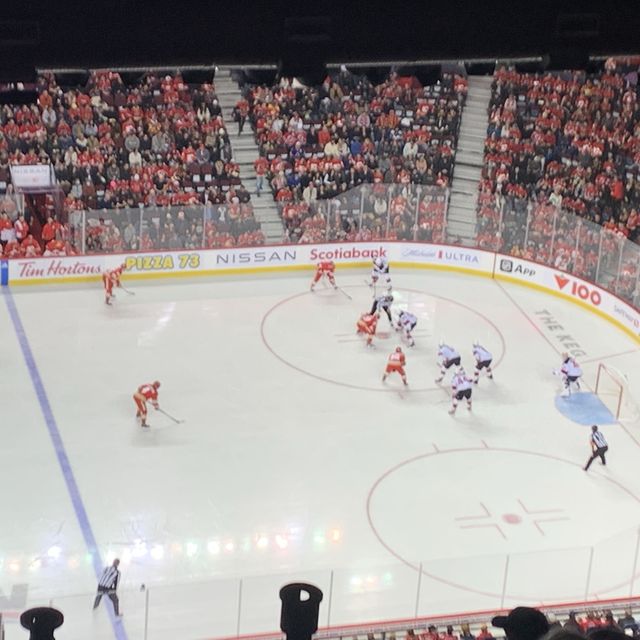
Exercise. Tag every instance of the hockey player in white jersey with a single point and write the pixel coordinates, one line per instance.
(483, 361)
(380, 273)
(449, 357)
(461, 387)
(383, 303)
(571, 373)
(407, 323)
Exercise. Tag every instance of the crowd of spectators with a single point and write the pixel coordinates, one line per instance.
(155, 143)
(584, 625)
(561, 145)
(318, 143)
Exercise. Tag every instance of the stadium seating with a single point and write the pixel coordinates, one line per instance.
(321, 142)
(157, 143)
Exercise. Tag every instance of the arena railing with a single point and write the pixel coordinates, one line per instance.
(535, 230)
(387, 598)
(561, 239)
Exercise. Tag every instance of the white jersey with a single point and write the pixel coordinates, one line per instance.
(447, 353)
(407, 320)
(571, 369)
(380, 267)
(481, 354)
(460, 382)
(383, 302)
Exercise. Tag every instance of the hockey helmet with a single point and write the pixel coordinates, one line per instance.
(156, 384)
(399, 349)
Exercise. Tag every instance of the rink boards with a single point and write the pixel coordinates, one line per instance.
(282, 258)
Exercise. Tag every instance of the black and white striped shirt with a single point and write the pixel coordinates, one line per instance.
(109, 578)
(598, 440)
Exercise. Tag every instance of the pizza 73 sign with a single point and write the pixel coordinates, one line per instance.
(577, 289)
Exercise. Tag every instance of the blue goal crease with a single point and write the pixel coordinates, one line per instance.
(61, 453)
(584, 408)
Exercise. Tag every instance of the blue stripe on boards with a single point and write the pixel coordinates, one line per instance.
(61, 454)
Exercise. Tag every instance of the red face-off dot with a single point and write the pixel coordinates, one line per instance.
(512, 518)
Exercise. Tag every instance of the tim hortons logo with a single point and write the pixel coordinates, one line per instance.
(33, 269)
(578, 289)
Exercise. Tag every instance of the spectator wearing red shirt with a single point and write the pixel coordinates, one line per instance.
(484, 634)
(261, 165)
(13, 250)
(30, 243)
(6, 227)
(50, 229)
(449, 635)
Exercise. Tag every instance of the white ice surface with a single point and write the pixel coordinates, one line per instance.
(295, 461)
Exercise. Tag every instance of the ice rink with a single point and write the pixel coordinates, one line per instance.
(294, 461)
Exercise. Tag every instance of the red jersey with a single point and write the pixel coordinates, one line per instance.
(397, 358)
(369, 319)
(326, 266)
(148, 391)
(114, 274)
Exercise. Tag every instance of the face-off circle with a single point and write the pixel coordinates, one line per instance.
(315, 334)
(472, 516)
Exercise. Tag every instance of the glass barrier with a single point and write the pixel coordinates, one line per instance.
(400, 592)
(521, 227)
(559, 238)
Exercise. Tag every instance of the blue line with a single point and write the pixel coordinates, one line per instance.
(61, 454)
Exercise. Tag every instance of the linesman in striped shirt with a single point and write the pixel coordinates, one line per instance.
(108, 585)
(598, 446)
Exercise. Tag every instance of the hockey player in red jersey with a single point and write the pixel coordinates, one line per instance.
(146, 393)
(367, 326)
(395, 364)
(110, 279)
(325, 268)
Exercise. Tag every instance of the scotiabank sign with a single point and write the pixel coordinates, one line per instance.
(349, 252)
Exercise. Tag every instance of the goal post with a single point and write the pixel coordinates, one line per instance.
(612, 387)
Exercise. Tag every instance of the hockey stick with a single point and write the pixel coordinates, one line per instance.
(131, 293)
(170, 416)
(343, 292)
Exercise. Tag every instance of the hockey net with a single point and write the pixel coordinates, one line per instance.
(612, 387)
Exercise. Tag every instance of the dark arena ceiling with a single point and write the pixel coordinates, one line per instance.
(119, 33)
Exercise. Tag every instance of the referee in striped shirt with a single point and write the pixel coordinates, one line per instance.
(598, 446)
(107, 585)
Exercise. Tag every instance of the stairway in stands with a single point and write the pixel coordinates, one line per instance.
(245, 152)
(466, 177)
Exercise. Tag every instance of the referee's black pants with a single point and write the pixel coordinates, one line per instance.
(113, 596)
(599, 452)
